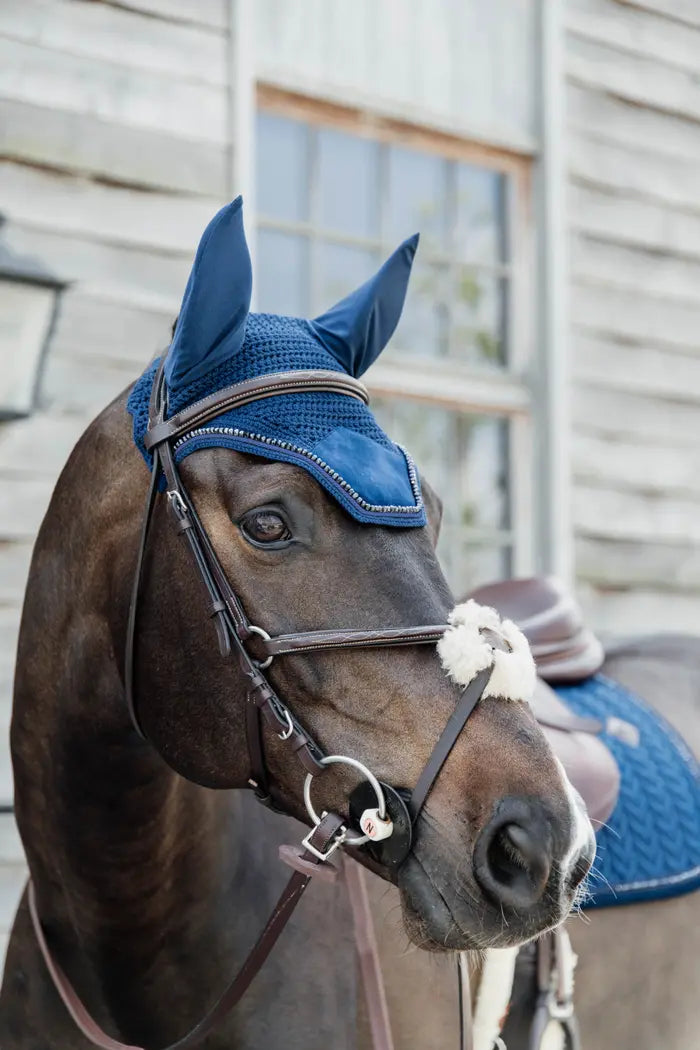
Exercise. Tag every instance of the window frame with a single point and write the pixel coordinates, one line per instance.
(505, 392)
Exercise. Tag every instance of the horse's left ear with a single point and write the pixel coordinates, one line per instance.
(211, 325)
(356, 330)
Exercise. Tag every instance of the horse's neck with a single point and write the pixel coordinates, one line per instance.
(119, 846)
(137, 841)
(130, 862)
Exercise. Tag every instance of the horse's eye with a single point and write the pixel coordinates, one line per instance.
(265, 526)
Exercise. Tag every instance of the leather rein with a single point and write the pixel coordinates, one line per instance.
(388, 815)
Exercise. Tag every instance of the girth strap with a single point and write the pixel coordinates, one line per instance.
(321, 838)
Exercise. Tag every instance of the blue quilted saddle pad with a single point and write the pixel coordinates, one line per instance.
(650, 847)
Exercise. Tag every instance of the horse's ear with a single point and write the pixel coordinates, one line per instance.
(211, 325)
(356, 330)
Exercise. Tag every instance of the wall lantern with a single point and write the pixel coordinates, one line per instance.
(29, 296)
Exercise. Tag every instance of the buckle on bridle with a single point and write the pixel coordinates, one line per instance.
(337, 841)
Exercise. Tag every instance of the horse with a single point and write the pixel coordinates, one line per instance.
(151, 874)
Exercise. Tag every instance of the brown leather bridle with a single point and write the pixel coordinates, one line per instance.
(235, 634)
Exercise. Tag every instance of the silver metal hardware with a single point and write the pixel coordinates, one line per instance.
(338, 840)
(261, 664)
(330, 760)
(175, 497)
(559, 1011)
(290, 727)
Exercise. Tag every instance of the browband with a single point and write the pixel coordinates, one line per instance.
(239, 394)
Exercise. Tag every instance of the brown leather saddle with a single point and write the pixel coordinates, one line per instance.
(565, 651)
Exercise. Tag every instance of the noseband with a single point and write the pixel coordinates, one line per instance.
(386, 815)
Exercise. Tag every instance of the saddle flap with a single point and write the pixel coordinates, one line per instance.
(589, 764)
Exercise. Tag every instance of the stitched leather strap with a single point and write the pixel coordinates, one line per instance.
(321, 838)
(368, 956)
(239, 394)
(448, 738)
(315, 641)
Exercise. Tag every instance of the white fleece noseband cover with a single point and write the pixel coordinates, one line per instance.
(464, 651)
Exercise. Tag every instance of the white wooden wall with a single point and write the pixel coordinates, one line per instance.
(633, 147)
(465, 66)
(114, 153)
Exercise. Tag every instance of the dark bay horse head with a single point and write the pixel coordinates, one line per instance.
(501, 844)
(319, 522)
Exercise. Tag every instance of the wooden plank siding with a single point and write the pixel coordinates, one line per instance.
(633, 154)
(114, 153)
(466, 68)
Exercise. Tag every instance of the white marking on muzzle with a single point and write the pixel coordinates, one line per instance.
(464, 651)
(581, 829)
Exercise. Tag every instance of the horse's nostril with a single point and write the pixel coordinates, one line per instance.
(509, 853)
(512, 863)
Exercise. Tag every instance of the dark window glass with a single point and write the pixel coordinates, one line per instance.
(348, 183)
(282, 168)
(417, 198)
(341, 269)
(282, 273)
(464, 457)
(480, 214)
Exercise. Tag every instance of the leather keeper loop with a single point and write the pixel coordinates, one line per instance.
(303, 747)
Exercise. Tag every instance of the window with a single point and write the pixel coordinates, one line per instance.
(336, 193)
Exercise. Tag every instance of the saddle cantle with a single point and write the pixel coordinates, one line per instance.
(565, 650)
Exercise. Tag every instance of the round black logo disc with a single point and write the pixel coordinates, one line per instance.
(393, 851)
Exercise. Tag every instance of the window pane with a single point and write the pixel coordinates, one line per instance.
(478, 317)
(348, 183)
(282, 273)
(464, 457)
(480, 227)
(281, 166)
(340, 270)
(423, 328)
(417, 198)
